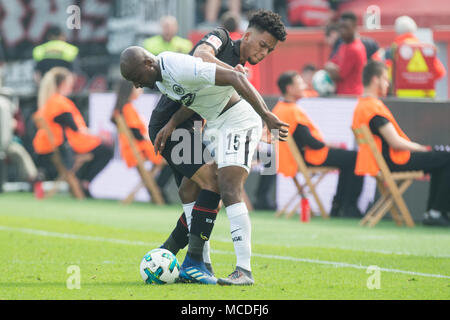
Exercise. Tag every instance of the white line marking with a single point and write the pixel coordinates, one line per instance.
(260, 255)
(399, 253)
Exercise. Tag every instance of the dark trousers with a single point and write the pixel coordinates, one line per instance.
(162, 180)
(46, 166)
(437, 164)
(349, 185)
(164, 177)
(102, 154)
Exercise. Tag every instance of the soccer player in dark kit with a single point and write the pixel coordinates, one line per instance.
(198, 181)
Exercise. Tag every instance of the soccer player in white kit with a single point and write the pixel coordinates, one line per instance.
(232, 123)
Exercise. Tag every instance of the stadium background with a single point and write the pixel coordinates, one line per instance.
(107, 27)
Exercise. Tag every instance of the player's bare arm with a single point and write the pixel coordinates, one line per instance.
(226, 77)
(178, 118)
(207, 54)
(397, 142)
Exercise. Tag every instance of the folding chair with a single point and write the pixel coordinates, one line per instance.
(63, 173)
(390, 184)
(309, 186)
(153, 172)
(148, 177)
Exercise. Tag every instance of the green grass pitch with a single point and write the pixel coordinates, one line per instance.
(323, 259)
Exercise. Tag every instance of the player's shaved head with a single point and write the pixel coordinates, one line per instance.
(139, 66)
(130, 59)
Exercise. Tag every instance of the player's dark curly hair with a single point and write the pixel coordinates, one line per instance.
(265, 20)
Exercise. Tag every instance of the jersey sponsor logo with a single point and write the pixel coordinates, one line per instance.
(178, 89)
(188, 99)
(215, 41)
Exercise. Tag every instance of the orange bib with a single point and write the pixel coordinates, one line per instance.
(292, 114)
(42, 143)
(134, 121)
(365, 110)
(80, 141)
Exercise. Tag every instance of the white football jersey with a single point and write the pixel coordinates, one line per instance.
(191, 81)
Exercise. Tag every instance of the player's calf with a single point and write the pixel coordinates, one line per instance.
(231, 183)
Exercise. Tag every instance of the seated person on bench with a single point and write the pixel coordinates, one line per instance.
(314, 150)
(126, 94)
(65, 120)
(400, 153)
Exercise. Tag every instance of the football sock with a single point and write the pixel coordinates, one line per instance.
(203, 216)
(207, 257)
(195, 247)
(187, 208)
(206, 250)
(240, 228)
(178, 239)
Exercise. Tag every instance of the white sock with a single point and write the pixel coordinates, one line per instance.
(241, 230)
(206, 253)
(187, 208)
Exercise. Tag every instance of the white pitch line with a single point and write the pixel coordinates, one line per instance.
(260, 255)
(337, 264)
(340, 247)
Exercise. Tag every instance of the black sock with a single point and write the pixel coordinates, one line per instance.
(178, 239)
(204, 214)
(195, 248)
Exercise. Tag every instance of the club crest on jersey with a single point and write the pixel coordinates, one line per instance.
(188, 99)
(178, 89)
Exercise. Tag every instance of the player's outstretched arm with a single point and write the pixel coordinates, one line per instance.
(207, 54)
(226, 77)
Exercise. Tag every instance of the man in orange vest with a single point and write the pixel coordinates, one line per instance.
(400, 152)
(315, 150)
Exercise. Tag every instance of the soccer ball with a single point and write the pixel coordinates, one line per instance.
(322, 83)
(159, 266)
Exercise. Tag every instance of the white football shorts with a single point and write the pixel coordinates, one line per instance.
(232, 137)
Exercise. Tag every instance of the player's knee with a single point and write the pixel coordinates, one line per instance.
(206, 178)
(210, 186)
(188, 192)
(185, 195)
(230, 193)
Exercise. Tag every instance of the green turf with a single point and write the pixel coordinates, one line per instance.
(324, 259)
